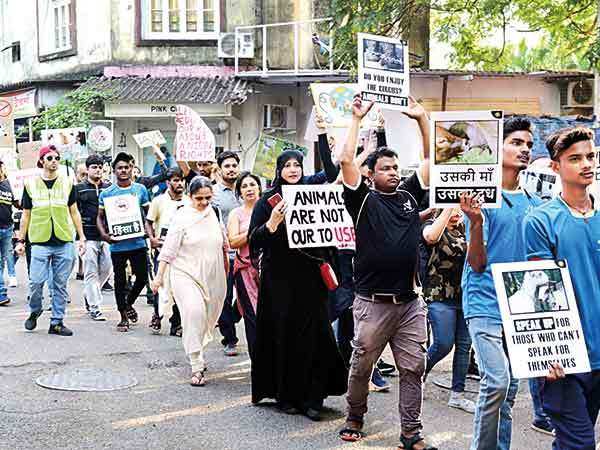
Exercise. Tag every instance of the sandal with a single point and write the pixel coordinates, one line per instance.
(198, 379)
(352, 431)
(409, 443)
(123, 326)
(132, 315)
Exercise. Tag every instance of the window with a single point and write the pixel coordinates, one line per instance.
(180, 19)
(56, 29)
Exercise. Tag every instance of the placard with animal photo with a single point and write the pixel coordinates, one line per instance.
(334, 103)
(540, 317)
(466, 156)
(383, 71)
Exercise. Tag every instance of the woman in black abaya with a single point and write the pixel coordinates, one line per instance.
(296, 360)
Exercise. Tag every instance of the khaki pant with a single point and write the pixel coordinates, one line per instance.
(404, 327)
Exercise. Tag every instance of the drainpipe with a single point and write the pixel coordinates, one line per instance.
(444, 91)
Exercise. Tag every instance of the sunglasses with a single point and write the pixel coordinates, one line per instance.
(52, 158)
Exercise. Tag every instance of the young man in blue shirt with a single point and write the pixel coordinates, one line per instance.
(568, 228)
(132, 249)
(495, 236)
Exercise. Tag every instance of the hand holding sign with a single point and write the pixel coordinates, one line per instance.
(195, 141)
(358, 109)
(415, 109)
(470, 204)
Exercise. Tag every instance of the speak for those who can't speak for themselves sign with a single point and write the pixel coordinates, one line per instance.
(540, 318)
(316, 217)
(194, 140)
(383, 71)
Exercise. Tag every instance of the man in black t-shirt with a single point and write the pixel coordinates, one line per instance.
(387, 308)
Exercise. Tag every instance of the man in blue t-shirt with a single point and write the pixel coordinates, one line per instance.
(568, 228)
(495, 236)
(133, 249)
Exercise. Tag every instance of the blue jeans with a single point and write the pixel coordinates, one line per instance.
(492, 425)
(573, 404)
(535, 389)
(59, 259)
(6, 251)
(449, 329)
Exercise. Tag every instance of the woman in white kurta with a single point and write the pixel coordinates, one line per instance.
(192, 270)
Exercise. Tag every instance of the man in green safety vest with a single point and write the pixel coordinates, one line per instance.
(49, 213)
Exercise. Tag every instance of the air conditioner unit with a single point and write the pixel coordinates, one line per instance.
(279, 117)
(226, 45)
(580, 94)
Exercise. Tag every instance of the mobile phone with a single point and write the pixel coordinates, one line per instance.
(274, 200)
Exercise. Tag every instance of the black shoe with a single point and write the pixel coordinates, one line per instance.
(31, 321)
(288, 409)
(313, 414)
(59, 329)
(385, 368)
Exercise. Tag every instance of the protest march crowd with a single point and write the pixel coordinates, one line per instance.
(214, 249)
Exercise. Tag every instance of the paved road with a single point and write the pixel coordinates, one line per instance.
(164, 412)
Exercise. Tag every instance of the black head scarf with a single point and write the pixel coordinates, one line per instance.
(282, 159)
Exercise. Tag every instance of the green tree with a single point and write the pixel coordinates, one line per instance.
(75, 109)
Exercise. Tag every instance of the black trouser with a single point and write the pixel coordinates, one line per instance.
(175, 317)
(248, 312)
(139, 267)
(227, 320)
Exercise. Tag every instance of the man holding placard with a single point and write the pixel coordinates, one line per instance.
(387, 309)
(568, 228)
(49, 213)
(123, 206)
(495, 235)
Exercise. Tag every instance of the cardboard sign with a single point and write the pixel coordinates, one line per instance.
(269, 148)
(28, 154)
(7, 132)
(194, 140)
(540, 318)
(333, 102)
(149, 139)
(23, 103)
(100, 135)
(383, 72)
(70, 142)
(465, 156)
(124, 217)
(316, 217)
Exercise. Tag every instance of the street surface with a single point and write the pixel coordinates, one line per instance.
(164, 412)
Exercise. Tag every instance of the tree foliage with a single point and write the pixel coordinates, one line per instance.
(477, 31)
(75, 109)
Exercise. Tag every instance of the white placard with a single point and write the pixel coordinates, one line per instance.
(316, 217)
(540, 317)
(124, 217)
(465, 156)
(383, 70)
(195, 141)
(149, 138)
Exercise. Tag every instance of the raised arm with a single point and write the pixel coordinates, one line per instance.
(350, 172)
(476, 251)
(417, 112)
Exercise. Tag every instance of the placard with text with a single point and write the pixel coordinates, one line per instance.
(124, 217)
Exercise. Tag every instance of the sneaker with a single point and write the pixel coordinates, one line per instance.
(543, 427)
(4, 301)
(12, 282)
(97, 316)
(59, 329)
(230, 350)
(107, 287)
(459, 401)
(377, 383)
(385, 368)
(155, 324)
(31, 321)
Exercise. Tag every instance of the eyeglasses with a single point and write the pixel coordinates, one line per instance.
(52, 158)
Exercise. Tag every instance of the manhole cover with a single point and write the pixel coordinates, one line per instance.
(445, 382)
(86, 380)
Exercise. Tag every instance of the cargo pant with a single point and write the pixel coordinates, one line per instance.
(404, 327)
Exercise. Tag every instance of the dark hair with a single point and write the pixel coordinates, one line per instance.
(199, 182)
(94, 159)
(122, 156)
(381, 152)
(226, 155)
(562, 139)
(238, 183)
(517, 123)
(174, 172)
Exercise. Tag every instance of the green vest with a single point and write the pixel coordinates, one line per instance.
(50, 210)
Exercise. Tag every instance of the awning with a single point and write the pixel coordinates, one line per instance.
(208, 90)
